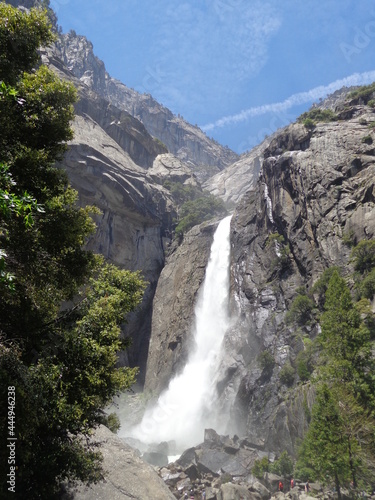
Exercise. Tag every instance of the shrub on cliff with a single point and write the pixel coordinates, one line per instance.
(315, 115)
(199, 210)
(300, 311)
(266, 361)
(287, 374)
(364, 93)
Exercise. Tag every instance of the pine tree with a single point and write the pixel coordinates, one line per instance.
(325, 449)
(340, 444)
(346, 343)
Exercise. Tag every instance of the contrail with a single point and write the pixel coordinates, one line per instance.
(293, 100)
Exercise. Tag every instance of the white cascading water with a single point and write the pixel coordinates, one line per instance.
(186, 408)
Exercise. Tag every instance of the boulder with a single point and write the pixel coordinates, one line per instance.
(216, 462)
(258, 487)
(211, 438)
(188, 457)
(126, 475)
(231, 491)
(192, 472)
(210, 494)
(155, 458)
(168, 167)
(271, 481)
(183, 484)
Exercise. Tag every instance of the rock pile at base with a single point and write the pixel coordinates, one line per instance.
(217, 469)
(220, 469)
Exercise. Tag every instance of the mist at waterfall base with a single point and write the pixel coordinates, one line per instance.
(187, 407)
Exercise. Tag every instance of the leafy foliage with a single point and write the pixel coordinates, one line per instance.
(367, 285)
(367, 139)
(20, 37)
(363, 256)
(197, 211)
(60, 359)
(266, 361)
(320, 286)
(313, 116)
(300, 311)
(304, 362)
(260, 466)
(194, 205)
(364, 93)
(283, 466)
(287, 374)
(182, 192)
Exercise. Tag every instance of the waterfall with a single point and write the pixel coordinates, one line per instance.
(186, 408)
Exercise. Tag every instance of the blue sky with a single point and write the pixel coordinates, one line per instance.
(239, 69)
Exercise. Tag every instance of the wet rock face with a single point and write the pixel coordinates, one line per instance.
(173, 307)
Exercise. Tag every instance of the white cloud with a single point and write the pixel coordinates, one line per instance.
(205, 48)
(293, 100)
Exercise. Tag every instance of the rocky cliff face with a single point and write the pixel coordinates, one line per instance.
(173, 307)
(235, 180)
(315, 188)
(184, 140)
(107, 162)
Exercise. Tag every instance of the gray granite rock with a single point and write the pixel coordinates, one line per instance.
(184, 140)
(126, 475)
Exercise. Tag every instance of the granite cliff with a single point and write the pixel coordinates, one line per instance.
(107, 163)
(315, 189)
(296, 200)
(187, 142)
(120, 156)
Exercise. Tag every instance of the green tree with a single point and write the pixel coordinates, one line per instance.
(61, 307)
(287, 374)
(367, 285)
(304, 362)
(363, 256)
(196, 211)
(320, 286)
(260, 466)
(343, 424)
(267, 362)
(283, 466)
(20, 37)
(346, 342)
(300, 311)
(313, 116)
(325, 450)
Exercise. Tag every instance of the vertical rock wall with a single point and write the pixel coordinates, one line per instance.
(316, 188)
